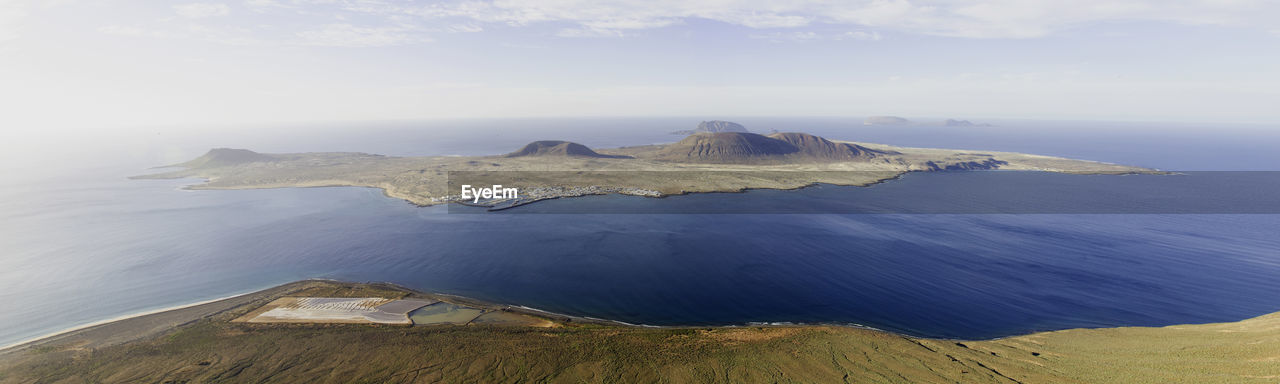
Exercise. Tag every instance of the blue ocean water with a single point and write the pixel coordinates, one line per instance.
(93, 245)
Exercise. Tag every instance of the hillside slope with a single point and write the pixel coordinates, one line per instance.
(750, 148)
(212, 349)
(223, 157)
(556, 148)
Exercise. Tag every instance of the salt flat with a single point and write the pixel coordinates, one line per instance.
(335, 310)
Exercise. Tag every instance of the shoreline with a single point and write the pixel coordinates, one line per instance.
(32, 341)
(4, 348)
(202, 185)
(20, 344)
(550, 315)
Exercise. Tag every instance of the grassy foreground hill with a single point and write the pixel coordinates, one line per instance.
(210, 348)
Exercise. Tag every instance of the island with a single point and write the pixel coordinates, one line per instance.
(885, 120)
(702, 162)
(448, 338)
(962, 123)
(714, 126)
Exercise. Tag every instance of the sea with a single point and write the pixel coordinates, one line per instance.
(992, 253)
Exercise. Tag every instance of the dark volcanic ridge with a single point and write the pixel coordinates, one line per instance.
(559, 148)
(744, 148)
(221, 157)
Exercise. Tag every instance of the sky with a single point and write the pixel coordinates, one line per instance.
(68, 66)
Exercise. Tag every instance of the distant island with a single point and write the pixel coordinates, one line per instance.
(899, 121)
(885, 120)
(458, 339)
(702, 162)
(962, 123)
(714, 126)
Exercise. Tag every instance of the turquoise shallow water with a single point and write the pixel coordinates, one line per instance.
(96, 246)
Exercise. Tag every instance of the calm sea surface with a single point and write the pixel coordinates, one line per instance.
(82, 244)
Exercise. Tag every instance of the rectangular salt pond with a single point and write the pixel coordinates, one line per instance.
(335, 310)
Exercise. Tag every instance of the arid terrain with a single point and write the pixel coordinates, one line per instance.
(202, 344)
(704, 162)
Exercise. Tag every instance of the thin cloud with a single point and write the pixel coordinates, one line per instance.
(464, 28)
(970, 19)
(347, 35)
(815, 36)
(590, 32)
(12, 17)
(263, 4)
(134, 31)
(350, 23)
(377, 23)
(201, 10)
(787, 36)
(859, 35)
(755, 19)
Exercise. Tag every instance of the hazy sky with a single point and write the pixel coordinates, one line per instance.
(103, 63)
